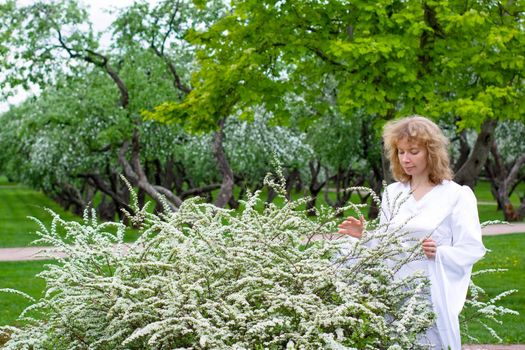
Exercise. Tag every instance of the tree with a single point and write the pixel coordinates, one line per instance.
(484, 77)
(55, 38)
(62, 134)
(69, 137)
(383, 60)
(505, 168)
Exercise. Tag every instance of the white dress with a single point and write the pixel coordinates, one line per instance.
(449, 214)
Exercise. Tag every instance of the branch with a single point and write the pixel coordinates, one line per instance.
(177, 83)
(324, 57)
(226, 188)
(512, 177)
(199, 190)
(103, 63)
(135, 174)
(170, 27)
(99, 183)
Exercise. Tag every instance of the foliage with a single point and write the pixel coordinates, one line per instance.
(36, 33)
(388, 58)
(509, 140)
(207, 278)
(333, 70)
(75, 127)
(59, 133)
(254, 146)
(506, 254)
(480, 309)
(492, 68)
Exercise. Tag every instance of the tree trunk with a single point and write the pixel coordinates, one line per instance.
(343, 180)
(135, 174)
(315, 187)
(385, 166)
(226, 189)
(106, 209)
(271, 195)
(291, 181)
(97, 182)
(464, 151)
(168, 180)
(233, 202)
(469, 172)
(503, 181)
(69, 196)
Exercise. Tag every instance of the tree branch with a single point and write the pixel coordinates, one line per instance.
(135, 174)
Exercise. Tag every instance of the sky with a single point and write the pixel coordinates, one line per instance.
(101, 20)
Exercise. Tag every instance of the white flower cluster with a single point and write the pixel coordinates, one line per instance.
(483, 310)
(209, 278)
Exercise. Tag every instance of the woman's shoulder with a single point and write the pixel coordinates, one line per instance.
(463, 192)
(454, 186)
(396, 187)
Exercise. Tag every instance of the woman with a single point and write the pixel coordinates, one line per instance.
(440, 212)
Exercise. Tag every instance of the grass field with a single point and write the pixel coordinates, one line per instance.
(18, 204)
(18, 275)
(506, 253)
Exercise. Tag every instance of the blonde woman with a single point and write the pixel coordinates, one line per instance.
(444, 217)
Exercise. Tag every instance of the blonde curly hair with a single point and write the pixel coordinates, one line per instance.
(425, 133)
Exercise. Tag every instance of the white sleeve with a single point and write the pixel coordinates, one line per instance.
(467, 247)
(450, 271)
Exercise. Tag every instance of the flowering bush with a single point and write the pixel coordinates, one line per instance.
(482, 309)
(210, 278)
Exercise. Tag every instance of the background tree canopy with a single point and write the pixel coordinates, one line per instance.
(233, 83)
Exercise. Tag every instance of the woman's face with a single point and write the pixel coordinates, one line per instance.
(412, 157)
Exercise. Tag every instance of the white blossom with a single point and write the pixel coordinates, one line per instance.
(211, 278)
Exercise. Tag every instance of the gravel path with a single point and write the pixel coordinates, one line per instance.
(498, 229)
(23, 254)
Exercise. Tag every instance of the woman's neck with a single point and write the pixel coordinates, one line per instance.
(420, 181)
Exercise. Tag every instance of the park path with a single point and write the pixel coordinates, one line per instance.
(498, 229)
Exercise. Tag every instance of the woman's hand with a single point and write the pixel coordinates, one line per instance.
(352, 227)
(429, 248)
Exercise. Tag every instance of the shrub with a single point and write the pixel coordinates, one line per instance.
(210, 278)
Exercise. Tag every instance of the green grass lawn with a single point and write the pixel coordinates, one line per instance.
(506, 253)
(17, 203)
(18, 275)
